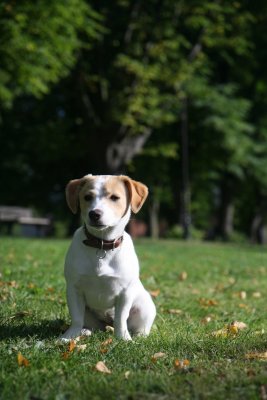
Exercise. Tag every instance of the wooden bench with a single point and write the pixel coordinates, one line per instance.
(30, 226)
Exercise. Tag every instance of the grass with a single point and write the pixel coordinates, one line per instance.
(223, 283)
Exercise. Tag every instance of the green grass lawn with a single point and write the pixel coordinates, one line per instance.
(200, 289)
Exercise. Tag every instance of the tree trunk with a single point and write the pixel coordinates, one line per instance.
(258, 230)
(185, 184)
(154, 217)
(222, 224)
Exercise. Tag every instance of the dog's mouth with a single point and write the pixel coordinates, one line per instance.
(97, 225)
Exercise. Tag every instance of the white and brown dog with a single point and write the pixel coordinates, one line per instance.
(101, 267)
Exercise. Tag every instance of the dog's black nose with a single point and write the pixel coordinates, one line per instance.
(95, 215)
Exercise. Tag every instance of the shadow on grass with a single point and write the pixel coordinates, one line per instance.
(45, 329)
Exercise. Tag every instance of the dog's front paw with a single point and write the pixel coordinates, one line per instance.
(125, 335)
(73, 333)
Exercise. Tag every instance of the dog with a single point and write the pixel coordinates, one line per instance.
(101, 266)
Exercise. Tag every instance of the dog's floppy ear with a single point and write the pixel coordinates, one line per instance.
(72, 193)
(138, 193)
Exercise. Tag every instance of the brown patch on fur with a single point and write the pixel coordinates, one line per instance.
(138, 192)
(72, 191)
(115, 187)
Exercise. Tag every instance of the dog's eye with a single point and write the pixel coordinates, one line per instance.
(88, 197)
(113, 197)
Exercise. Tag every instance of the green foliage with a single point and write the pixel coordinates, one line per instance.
(84, 76)
(40, 43)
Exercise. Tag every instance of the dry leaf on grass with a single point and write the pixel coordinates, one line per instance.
(109, 328)
(107, 342)
(181, 364)
(256, 295)
(243, 295)
(101, 367)
(183, 276)
(81, 347)
(13, 284)
(127, 374)
(206, 319)
(243, 305)
(71, 347)
(258, 356)
(154, 293)
(156, 356)
(207, 302)
(239, 324)
(229, 330)
(175, 311)
(22, 361)
(103, 345)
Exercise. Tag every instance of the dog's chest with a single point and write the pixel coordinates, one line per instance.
(101, 280)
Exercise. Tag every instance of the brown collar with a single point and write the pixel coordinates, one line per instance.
(93, 241)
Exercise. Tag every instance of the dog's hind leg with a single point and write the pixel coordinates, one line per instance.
(142, 316)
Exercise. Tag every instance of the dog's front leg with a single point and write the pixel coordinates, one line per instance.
(122, 310)
(76, 305)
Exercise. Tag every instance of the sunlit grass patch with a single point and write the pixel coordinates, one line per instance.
(196, 348)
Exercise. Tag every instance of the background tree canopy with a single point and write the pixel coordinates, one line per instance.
(173, 93)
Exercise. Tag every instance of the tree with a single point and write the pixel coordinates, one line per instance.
(40, 43)
(160, 69)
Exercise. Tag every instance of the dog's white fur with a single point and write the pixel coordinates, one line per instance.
(106, 291)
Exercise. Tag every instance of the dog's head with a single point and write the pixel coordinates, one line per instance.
(105, 199)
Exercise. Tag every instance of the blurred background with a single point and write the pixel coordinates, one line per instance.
(172, 93)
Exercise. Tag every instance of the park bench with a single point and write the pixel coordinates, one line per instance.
(30, 226)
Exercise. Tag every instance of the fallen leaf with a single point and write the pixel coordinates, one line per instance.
(206, 319)
(243, 305)
(22, 361)
(127, 374)
(229, 330)
(101, 367)
(207, 302)
(175, 311)
(71, 345)
(181, 364)
(13, 284)
(154, 293)
(109, 328)
(65, 355)
(107, 342)
(183, 276)
(103, 350)
(81, 347)
(156, 356)
(103, 345)
(232, 280)
(239, 325)
(220, 333)
(232, 329)
(243, 295)
(259, 332)
(256, 295)
(258, 356)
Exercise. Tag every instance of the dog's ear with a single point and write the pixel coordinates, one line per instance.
(138, 193)
(72, 193)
